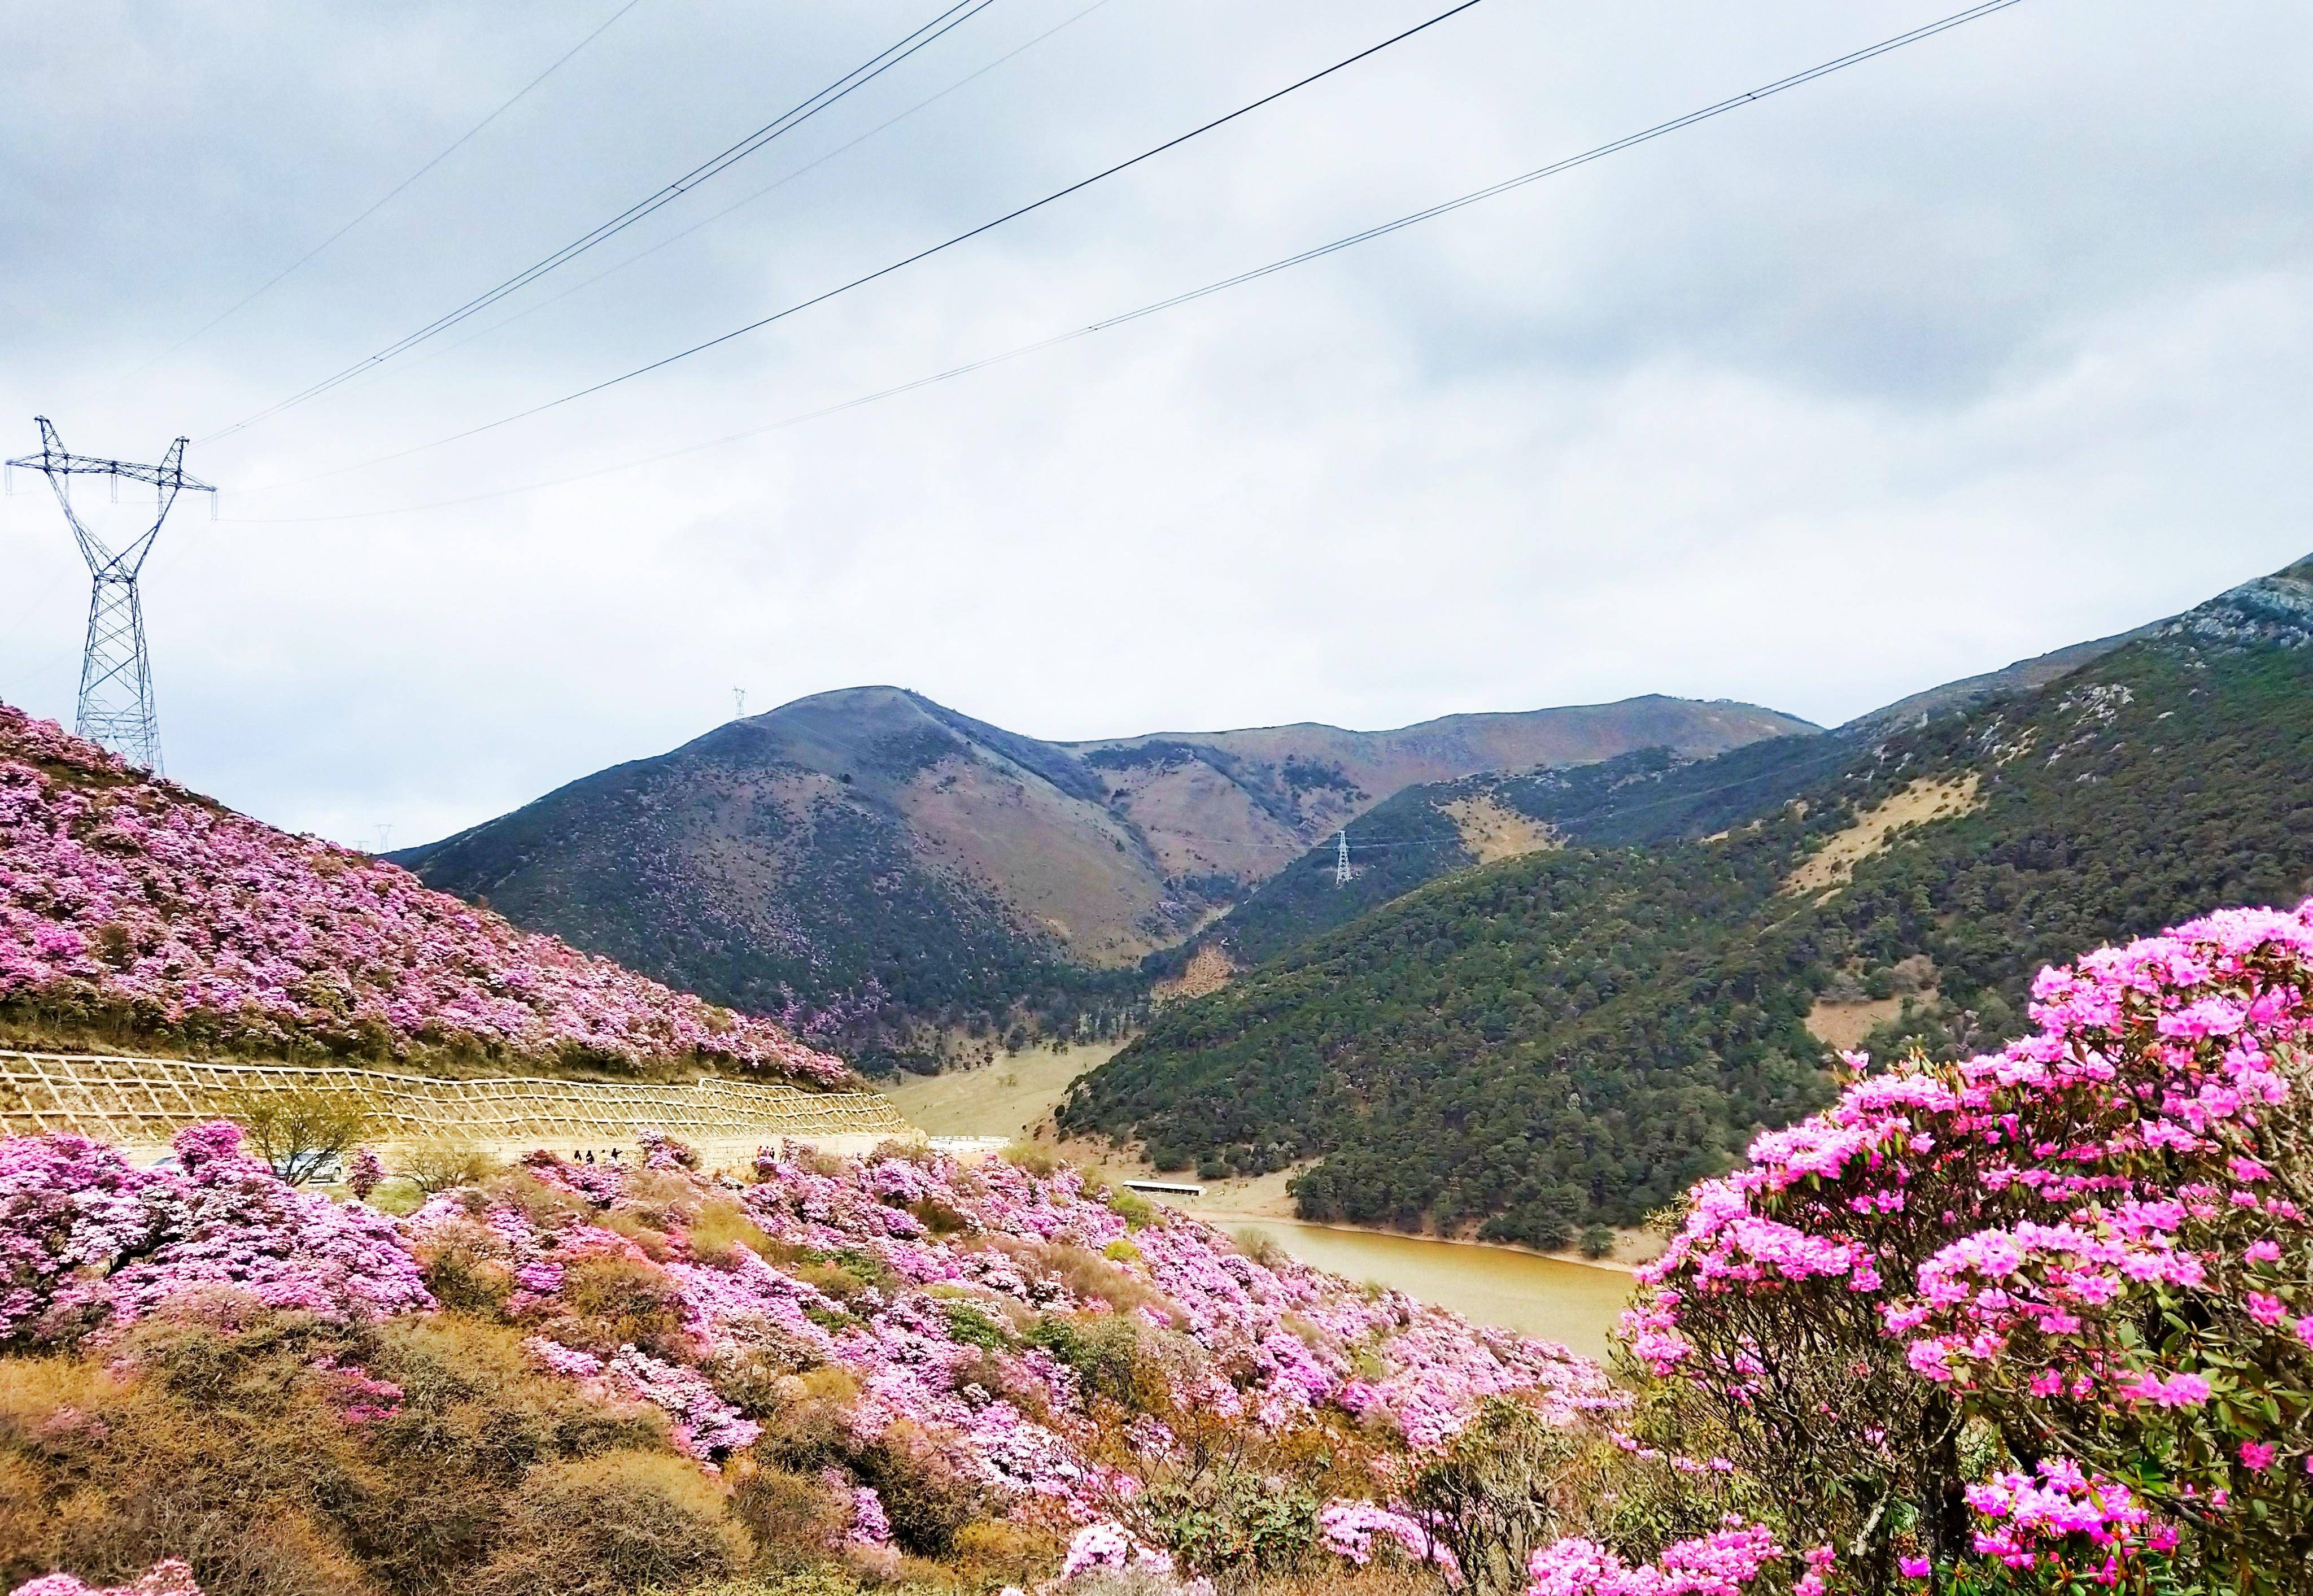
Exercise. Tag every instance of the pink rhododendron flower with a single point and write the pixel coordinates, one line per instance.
(2017, 1217)
(170, 1578)
(1721, 1563)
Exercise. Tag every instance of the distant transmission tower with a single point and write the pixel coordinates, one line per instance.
(1341, 859)
(739, 701)
(116, 674)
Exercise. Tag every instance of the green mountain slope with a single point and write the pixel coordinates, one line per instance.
(1571, 1035)
(1647, 795)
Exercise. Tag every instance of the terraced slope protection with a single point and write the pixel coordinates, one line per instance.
(143, 1102)
(134, 911)
(871, 866)
(1573, 1036)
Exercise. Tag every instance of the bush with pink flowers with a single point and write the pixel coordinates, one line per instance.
(2043, 1315)
(173, 1577)
(2039, 1321)
(90, 1242)
(132, 912)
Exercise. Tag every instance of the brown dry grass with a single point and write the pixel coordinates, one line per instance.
(1208, 970)
(1845, 1024)
(1005, 1098)
(1832, 866)
(1492, 831)
(211, 1434)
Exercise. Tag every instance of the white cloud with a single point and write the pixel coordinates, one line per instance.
(1970, 353)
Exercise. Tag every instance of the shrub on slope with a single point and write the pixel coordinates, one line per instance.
(2051, 1307)
(133, 909)
(2036, 1322)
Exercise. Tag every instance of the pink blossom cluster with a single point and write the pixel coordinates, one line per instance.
(1269, 1345)
(944, 1269)
(1106, 1545)
(2059, 1514)
(364, 1172)
(356, 1394)
(870, 1526)
(125, 897)
(2010, 1222)
(701, 1424)
(168, 1578)
(1721, 1563)
(1348, 1528)
(89, 1241)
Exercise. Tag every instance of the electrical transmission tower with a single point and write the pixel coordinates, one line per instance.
(116, 674)
(1341, 859)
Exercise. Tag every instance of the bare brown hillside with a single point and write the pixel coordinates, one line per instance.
(871, 858)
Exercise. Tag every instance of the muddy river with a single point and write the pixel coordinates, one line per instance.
(1568, 1302)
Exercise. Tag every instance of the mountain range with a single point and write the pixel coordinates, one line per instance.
(886, 874)
(1570, 1036)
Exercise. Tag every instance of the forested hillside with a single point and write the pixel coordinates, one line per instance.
(1646, 795)
(1571, 1036)
(1423, 833)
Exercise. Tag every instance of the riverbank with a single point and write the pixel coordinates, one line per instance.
(1558, 1296)
(1219, 1216)
(1567, 1300)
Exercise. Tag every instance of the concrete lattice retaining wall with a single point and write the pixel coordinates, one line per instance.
(142, 1102)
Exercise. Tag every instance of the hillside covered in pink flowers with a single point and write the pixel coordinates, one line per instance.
(136, 913)
(2039, 1321)
(870, 1364)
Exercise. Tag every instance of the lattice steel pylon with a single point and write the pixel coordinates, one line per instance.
(115, 672)
(1341, 859)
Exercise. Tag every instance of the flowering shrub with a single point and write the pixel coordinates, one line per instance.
(1107, 1545)
(129, 904)
(364, 1172)
(87, 1240)
(1349, 1528)
(170, 1578)
(1718, 1565)
(2065, 1524)
(2088, 1252)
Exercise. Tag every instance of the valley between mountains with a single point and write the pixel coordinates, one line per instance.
(1582, 998)
(1583, 956)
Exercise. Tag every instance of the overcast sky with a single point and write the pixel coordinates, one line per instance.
(2000, 342)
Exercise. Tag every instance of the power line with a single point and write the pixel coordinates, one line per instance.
(380, 204)
(786, 122)
(1288, 262)
(924, 254)
(1601, 151)
(770, 188)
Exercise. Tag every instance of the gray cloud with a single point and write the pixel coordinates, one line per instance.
(1994, 345)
